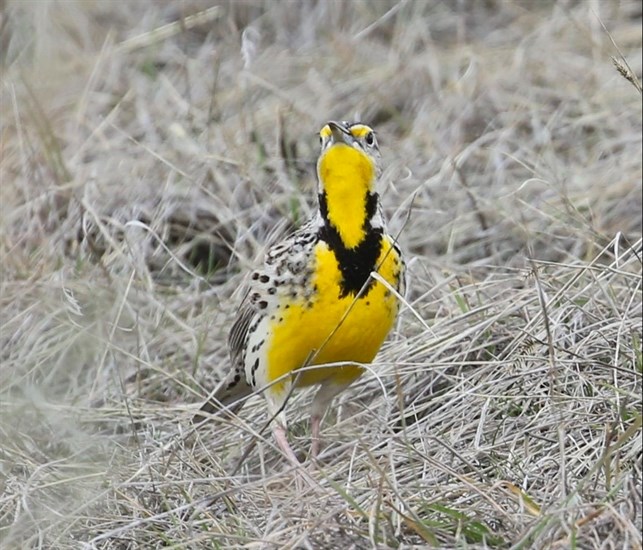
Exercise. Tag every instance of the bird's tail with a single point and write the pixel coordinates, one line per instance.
(224, 398)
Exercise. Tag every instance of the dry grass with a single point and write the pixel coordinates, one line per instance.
(144, 168)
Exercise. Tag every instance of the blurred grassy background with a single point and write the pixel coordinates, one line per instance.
(149, 153)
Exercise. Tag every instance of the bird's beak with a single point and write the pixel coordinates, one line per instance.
(339, 134)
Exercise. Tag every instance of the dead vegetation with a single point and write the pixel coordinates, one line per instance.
(151, 150)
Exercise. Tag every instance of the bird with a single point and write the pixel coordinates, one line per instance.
(314, 313)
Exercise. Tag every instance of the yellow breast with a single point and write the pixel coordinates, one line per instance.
(329, 328)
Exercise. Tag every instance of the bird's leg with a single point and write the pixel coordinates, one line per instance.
(302, 478)
(315, 424)
(327, 391)
(279, 433)
(276, 399)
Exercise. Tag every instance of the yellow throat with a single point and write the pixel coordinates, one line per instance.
(347, 177)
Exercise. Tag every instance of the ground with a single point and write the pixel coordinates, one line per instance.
(151, 150)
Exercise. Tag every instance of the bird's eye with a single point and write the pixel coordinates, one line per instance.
(321, 140)
(370, 138)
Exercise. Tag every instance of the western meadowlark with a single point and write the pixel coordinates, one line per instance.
(314, 313)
